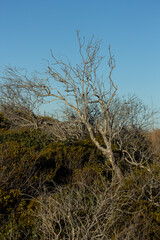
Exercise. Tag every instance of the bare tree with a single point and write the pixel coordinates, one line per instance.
(92, 104)
(81, 91)
(17, 102)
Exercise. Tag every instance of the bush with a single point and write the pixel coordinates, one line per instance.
(117, 211)
(63, 190)
(4, 123)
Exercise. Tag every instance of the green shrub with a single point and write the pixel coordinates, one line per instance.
(4, 123)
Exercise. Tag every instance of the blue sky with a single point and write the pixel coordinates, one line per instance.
(30, 28)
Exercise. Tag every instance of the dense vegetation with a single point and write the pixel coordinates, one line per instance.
(94, 174)
(63, 190)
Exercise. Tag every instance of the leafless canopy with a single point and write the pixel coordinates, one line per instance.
(90, 103)
(17, 101)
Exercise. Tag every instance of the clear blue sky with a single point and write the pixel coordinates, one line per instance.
(30, 28)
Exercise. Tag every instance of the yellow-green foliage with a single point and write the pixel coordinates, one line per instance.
(16, 219)
(91, 174)
(21, 155)
(139, 200)
(4, 123)
(29, 159)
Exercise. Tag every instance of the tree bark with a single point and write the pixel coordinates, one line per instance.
(115, 167)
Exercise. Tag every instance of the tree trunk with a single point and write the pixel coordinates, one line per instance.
(115, 167)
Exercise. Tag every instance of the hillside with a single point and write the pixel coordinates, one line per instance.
(54, 189)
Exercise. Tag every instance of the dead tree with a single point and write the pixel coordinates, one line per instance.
(17, 102)
(93, 104)
(79, 89)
